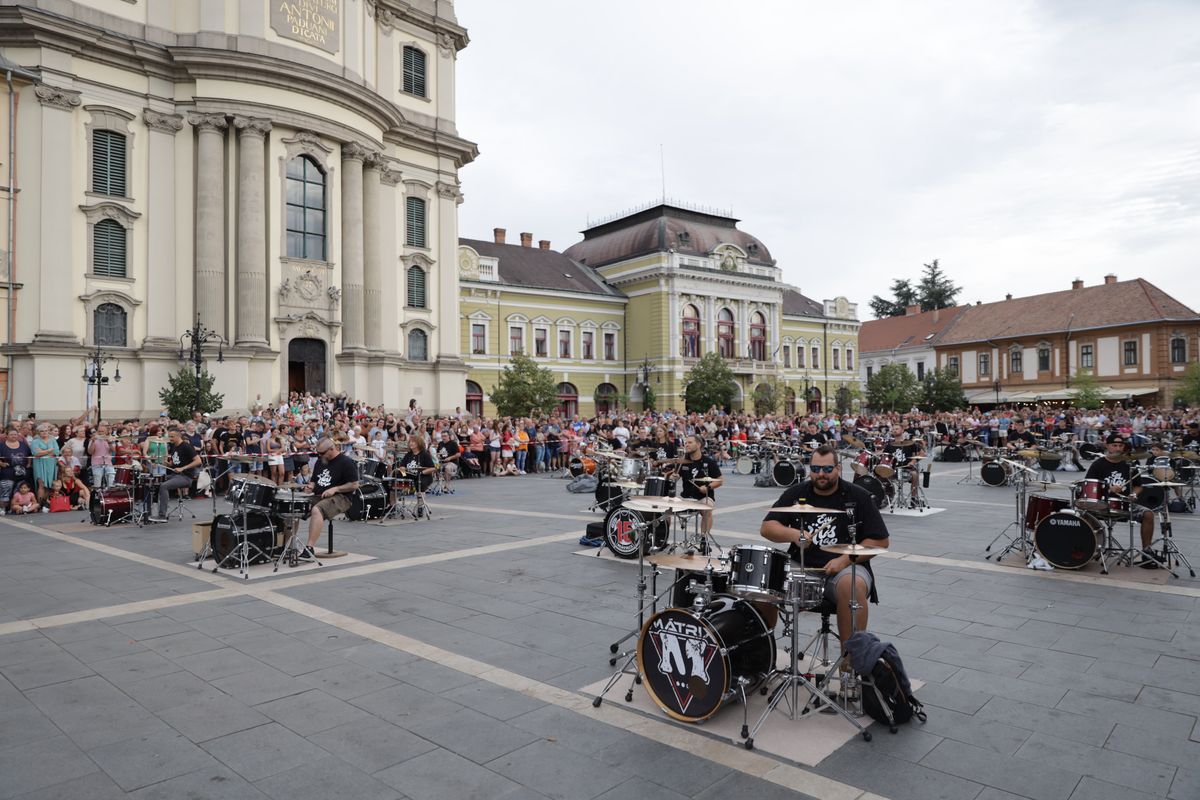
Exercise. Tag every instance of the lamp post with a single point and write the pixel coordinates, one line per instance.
(197, 337)
(93, 375)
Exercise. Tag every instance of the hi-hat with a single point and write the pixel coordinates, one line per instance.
(659, 505)
(627, 484)
(1166, 484)
(805, 508)
(696, 563)
(853, 549)
(702, 480)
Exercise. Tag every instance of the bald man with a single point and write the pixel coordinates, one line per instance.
(334, 478)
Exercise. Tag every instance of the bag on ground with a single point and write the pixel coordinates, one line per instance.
(886, 691)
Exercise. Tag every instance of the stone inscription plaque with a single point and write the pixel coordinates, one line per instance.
(314, 22)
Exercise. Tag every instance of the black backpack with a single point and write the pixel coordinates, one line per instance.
(886, 695)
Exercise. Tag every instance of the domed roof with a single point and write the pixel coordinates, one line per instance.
(660, 228)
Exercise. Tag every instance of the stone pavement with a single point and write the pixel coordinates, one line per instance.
(450, 667)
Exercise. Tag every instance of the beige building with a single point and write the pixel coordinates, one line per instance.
(287, 172)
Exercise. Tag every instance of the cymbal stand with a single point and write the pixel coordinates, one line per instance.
(242, 550)
(399, 507)
(970, 476)
(630, 655)
(1171, 552)
(1020, 538)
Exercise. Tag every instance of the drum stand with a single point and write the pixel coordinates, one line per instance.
(971, 457)
(292, 551)
(399, 508)
(242, 550)
(630, 656)
(1171, 553)
(1021, 538)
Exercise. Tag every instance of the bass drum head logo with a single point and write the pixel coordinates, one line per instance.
(679, 656)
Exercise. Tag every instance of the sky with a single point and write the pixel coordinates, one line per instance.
(1023, 144)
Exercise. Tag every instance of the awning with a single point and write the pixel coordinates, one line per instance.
(1123, 392)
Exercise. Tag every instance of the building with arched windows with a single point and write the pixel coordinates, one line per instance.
(631, 308)
(285, 173)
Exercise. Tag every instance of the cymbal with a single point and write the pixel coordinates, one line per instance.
(854, 549)
(703, 480)
(1168, 484)
(1028, 452)
(805, 508)
(695, 563)
(660, 505)
(607, 454)
(627, 484)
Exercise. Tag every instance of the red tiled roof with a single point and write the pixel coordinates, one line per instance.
(1103, 306)
(915, 330)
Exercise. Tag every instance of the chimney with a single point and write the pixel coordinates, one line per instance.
(498, 235)
(1110, 278)
(1077, 284)
(937, 312)
(1008, 296)
(544, 244)
(913, 309)
(526, 240)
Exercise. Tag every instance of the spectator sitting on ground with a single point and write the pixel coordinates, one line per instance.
(24, 501)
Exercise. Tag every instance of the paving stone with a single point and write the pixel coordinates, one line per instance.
(1012, 688)
(260, 752)
(1093, 789)
(473, 735)
(212, 716)
(56, 668)
(495, 701)
(214, 782)
(260, 685)
(34, 648)
(558, 772)
(39, 764)
(21, 723)
(347, 681)
(988, 662)
(1115, 768)
(110, 643)
(641, 789)
(93, 786)
(975, 730)
(675, 769)
(1050, 721)
(1151, 719)
(326, 778)
(186, 643)
(134, 763)
(434, 677)
(440, 774)
(889, 777)
(1154, 745)
(1186, 785)
(1084, 682)
(219, 663)
(1018, 775)
(156, 625)
(952, 697)
(571, 730)
(405, 705)
(372, 744)
(311, 712)
(93, 712)
(168, 691)
(125, 670)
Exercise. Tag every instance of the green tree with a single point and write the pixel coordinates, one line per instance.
(648, 399)
(942, 391)
(1085, 390)
(180, 397)
(903, 296)
(709, 383)
(936, 290)
(768, 397)
(847, 397)
(1189, 386)
(524, 387)
(893, 388)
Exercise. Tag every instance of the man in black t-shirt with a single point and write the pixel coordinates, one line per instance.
(695, 473)
(806, 534)
(1115, 474)
(448, 454)
(182, 461)
(334, 478)
(1019, 438)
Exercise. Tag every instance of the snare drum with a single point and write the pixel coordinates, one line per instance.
(291, 502)
(1041, 506)
(1089, 494)
(757, 572)
(1049, 460)
(864, 463)
(258, 492)
(805, 587)
(688, 583)
(744, 465)
(659, 486)
(1162, 470)
(885, 466)
(631, 469)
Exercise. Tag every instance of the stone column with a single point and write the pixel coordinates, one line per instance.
(353, 156)
(210, 219)
(161, 327)
(251, 294)
(372, 255)
(57, 262)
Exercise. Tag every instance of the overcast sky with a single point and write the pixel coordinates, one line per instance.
(1023, 144)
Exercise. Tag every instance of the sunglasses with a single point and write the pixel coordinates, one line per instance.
(827, 469)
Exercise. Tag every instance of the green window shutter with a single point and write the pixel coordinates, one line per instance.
(416, 287)
(108, 249)
(108, 163)
(415, 222)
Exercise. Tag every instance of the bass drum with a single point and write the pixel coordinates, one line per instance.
(261, 530)
(110, 504)
(368, 502)
(744, 465)
(1068, 539)
(783, 473)
(626, 531)
(875, 487)
(1090, 451)
(953, 453)
(693, 663)
(994, 473)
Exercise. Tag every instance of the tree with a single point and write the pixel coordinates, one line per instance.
(648, 399)
(935, 290)
(180, 398)
(847, 397)
(1189, 386)
(768, 398)
(709, 383)
(524, 387)
(1085, 390)
(942, 391)
(893, 388)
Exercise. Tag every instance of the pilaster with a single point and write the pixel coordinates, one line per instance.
(210, 219)
(161, 325)
(251, 294)
(353, 156)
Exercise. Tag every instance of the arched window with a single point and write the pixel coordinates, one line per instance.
(725, 345)
(691, 332)
(606, 398)
(414, 71)
(758, 337)
(305, 209)
(474, 399)
(109, 249)
(789, 402)
(568, 400)
(416, 287)
(108, 325)
(418, 345)
(414, 222)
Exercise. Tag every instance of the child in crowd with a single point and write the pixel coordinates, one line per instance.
(304, 476)
(24, 501)
(58, 500)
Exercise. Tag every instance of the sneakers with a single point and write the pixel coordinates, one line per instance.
(1147, 559)
(156, 519)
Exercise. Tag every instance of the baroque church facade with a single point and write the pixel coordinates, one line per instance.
(283, 172)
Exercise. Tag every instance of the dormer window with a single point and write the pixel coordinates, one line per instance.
(752, 248)
(684, 238)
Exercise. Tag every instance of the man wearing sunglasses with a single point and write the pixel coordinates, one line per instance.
(333, 479)
(1115, 473)
(806, 534)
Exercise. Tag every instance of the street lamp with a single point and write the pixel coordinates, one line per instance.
(199, 336)
(93, 375)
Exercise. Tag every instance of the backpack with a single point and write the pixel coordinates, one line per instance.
(886, 693)
(1178, 506)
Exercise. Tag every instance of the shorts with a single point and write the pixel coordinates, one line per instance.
(1136, 512)
(330, 507)
(831, 583)
(275, 461)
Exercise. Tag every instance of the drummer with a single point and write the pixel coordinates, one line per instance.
(182, 460)
(806, 534)
(1115, 474)
(1159, 450)
(1019, 438)
(701, 477)
(335, 477)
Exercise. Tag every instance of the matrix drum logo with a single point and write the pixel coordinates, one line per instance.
(680, 664)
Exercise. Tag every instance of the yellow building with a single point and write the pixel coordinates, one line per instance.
(660, 286)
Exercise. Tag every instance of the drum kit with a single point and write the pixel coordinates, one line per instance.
(785, 463)
(129, 499)
(877, 468)
(262, 526)
(713, 645)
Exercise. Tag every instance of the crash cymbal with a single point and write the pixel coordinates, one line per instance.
(1166, 484)
(854, 549)
(626, 484)
(661, 505)
(702, 480)
(805, 508)
(695, 563)
(1028, 452)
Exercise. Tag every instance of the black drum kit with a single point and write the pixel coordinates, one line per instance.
(262, 526)
(881, 467)
(780, 463)
(713, 646)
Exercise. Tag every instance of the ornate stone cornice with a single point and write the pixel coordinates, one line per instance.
(449, 191)
(99, 211)
(166, 123)
(208, 122)
(355, 151)
(390, 176)
(53, 96)
(252, 126)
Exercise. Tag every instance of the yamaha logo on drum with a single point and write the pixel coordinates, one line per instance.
(1068, 521)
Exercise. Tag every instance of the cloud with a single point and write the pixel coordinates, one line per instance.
(1021, 143)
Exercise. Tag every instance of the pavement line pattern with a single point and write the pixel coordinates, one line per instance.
(93, 614)
(542, 514)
